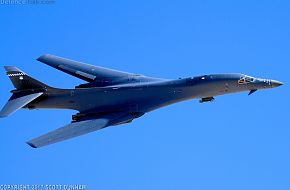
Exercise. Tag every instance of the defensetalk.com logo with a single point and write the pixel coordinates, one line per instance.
(26, 2)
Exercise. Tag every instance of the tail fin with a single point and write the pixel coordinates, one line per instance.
(27, 90)
(21, 80)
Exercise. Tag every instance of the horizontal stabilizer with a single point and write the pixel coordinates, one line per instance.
(16, 102)
(68, 131)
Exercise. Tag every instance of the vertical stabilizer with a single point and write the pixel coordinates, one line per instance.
(21, 81)
(26, 90)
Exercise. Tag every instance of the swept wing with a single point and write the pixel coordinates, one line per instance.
(82, 70)
(82, 127)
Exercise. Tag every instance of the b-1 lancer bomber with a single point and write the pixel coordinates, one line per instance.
(110, 97)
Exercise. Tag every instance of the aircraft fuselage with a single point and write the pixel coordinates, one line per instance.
(144, 97)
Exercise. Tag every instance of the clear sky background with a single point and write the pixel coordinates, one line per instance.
(237, 142)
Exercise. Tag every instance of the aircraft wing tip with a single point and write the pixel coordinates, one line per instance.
(31, 144)
(2, 115)
(43, 57)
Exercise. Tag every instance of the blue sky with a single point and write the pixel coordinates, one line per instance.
(237, 142)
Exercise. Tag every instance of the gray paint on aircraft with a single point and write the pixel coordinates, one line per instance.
(112, 97)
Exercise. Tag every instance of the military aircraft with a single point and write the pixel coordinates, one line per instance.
(110, 97)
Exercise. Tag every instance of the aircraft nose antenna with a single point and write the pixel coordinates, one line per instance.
(276, 83)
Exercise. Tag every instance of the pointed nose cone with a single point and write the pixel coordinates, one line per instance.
(276, 83)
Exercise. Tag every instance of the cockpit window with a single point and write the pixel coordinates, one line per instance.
(249, 79)
(246, 80)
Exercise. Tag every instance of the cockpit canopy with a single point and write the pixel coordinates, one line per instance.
(246, 80)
